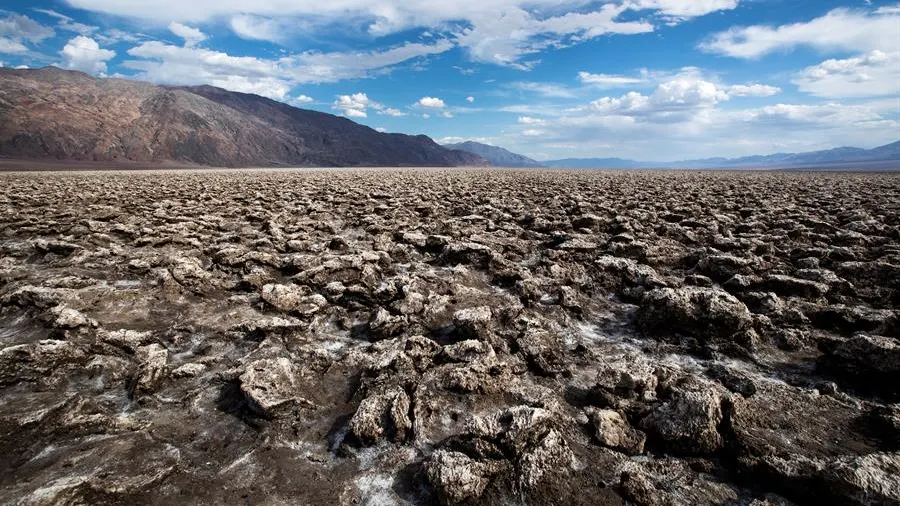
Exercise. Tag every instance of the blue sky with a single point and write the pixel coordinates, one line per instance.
(645, 79)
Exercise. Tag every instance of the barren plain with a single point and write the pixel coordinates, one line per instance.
(413, 337)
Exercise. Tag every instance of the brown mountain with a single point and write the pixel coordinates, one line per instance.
(57, 114)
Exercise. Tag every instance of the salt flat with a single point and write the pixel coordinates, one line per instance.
(453, 336)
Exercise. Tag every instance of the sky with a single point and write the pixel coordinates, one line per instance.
(653, 80)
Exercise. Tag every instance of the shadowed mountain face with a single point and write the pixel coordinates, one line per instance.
(497, 156)
(56, 114)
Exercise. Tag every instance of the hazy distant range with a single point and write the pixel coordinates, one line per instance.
(885, 157)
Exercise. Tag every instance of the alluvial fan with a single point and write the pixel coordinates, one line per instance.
(413, 337)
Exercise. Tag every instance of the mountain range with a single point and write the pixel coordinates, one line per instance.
(497, 156)
(55, 114)
(830, 157)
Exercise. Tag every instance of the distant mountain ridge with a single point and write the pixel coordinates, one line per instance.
(497, 156)
(55, 114)
(846, 155)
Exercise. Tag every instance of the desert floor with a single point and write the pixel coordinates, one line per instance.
(411, 337)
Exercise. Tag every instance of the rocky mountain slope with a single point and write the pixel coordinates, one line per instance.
(497, 156)
(57, 114)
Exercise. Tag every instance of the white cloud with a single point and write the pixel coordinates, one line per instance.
(390, 111)
(447, 114)
(68, 24)
(426, 115)
(607, 80)
(873, 74)
(358, 104)
(258, 28)
(9, 46)
(20, 28)
(170, 64)
(329, 67)
(304, 99)
(888, 9)
(107, 36)
(685, 8)
(381, 129)
(502, 32)
(504, 36)
(838, 30)
(353, 113)
(528, 120)
(431, 102)
(820, 116)
(192, 36)
(114, 35)
(84, 54)
(550, 90)
(685, 118)
(470, 99)
(752, 90)
(687, 93)
(353, 106)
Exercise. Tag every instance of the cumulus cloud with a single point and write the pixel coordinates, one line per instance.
(447, 114)
(687, 93)
(470, 99)
(677, 99)
(192, 36)
(685, 117)
(838, 30)
(85, 54)
(358, 104)
(431, 102)
(426, 115)
(304, 99)
(873, 74)
(353, 106)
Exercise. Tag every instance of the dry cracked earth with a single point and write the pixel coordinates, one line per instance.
(449, 337)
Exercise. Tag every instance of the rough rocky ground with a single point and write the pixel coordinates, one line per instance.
(449, 337)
